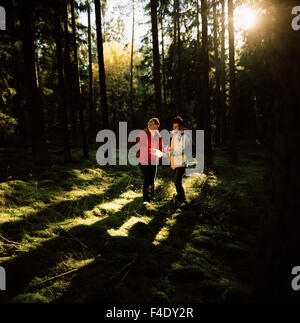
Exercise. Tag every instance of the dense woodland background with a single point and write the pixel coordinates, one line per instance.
(62, 82)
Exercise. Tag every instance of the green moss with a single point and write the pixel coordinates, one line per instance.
(30, 298)
(60, 218)
(159, 296)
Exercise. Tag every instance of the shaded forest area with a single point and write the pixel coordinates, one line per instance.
(72, 231)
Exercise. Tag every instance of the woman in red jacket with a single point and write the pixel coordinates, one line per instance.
(149, 144)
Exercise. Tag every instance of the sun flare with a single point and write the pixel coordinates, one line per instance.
(246, 18)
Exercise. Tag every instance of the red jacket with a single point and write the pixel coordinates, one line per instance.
(144, 144)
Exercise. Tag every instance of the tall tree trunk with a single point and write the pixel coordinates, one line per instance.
(102, 78)
(174, 108)
(61, 82)
(279, 238)
(36, 117)
(199, 107)
(69, 74)
(208, 158)
(198, 22)
(223, 78)
(92, 109)
(176, 70)
(252, 120)
(217, 66)
(178, 92)
(156, 58)
(164, 85)
(232, 106)
(18, 107)
(78, 95)
(131, 62)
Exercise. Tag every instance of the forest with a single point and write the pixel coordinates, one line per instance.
(74, 231)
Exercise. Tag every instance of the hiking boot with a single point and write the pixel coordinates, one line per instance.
(146, 204)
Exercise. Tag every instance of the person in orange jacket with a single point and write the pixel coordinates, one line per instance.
(150, 147)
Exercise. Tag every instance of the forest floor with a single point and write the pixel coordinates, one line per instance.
(80, 233)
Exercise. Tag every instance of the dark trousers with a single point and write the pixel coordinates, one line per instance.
(149, 173)
(177, 177)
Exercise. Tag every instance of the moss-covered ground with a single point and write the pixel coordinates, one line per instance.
(80, 233)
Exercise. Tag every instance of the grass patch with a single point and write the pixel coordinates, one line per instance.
(80, 233)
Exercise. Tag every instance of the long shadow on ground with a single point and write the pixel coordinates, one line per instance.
(132, 268)
(82, 240)
(58, 212)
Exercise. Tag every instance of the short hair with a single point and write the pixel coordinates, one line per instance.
(178, 120)
(153, 121)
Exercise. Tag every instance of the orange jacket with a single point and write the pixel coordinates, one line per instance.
(144, 144)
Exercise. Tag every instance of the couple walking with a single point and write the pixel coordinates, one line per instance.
(151, 149)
